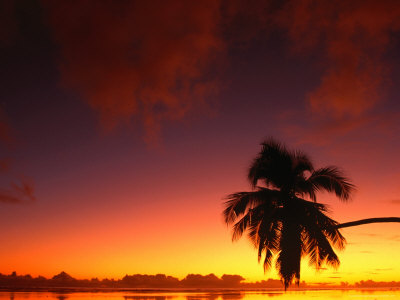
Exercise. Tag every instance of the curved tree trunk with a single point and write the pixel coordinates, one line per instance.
(369, 221)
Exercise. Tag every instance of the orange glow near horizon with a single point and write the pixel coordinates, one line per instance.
(134, 123)
(187, 238)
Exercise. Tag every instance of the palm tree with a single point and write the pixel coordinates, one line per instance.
(281, 215)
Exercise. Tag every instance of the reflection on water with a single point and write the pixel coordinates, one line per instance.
(147, 297)
(215, 295)
(62, 297)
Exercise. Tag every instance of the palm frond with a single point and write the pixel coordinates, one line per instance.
(259, 231)
(252, 219)
(301, 163)
(319, 234)
(331, 179)
(268, 260)
(273, 165)
(305, 188)
(271, 245)
(330, 230)
(239, 203)
(319, 250)
(314, 219)
(240, 227)
(266, 236)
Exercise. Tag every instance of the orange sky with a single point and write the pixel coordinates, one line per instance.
(167, 233)
(132, 124)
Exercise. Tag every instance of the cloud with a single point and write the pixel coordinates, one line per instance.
(394, 201)
(20, 189)
(148, 62)
(352, 131)
(145, 59)
(394, 238)
(369, 234)
(349, 43)
(155, 61)
(19, 192)
(352, 38)
(321, 132)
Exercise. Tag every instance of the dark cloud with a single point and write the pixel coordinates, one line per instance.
(349, 43)
(149, 62)
(147, 59)
(353, 38)
(155, 61)
(20, 189)
(322, 129)
(20, 192)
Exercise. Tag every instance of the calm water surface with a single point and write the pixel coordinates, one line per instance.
(222, 295)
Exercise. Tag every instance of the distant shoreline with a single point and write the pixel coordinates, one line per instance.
(143, 283)
(180, 290)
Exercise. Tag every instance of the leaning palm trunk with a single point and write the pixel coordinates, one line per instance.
(369, 221)
(278, 218)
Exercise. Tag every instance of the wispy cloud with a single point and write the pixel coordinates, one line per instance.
(352, 40)
(394, 238)
(20, 192)
(20, 189)
(156, 61)
(349, 49)
(394, 201)
(369, 234)
(148, 60)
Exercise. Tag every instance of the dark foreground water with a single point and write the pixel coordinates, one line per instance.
(213, 295)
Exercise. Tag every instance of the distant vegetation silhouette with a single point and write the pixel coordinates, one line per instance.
(136, 281)
(281, 215)
(64, 283)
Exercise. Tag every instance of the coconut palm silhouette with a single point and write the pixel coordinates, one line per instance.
(277, 218)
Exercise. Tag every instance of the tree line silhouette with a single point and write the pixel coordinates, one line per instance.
(65, 281)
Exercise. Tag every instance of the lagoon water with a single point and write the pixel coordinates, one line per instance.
(213, 295)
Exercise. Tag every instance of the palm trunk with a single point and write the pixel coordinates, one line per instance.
(369, 221)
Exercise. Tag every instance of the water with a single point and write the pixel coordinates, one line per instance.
(214, 295)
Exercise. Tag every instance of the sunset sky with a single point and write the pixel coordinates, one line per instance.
(124, 124)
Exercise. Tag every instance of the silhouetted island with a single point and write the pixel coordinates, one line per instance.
(162, 281)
